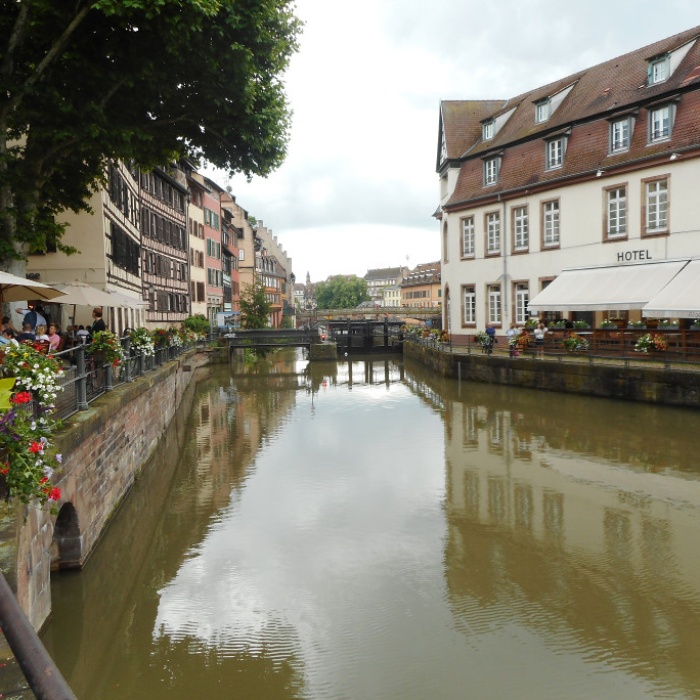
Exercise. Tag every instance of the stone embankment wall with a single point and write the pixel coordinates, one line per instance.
(653, 384)
(104, 449)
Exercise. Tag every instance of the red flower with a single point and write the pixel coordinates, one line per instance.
(35, 447)
(55, 494)
(22, 397)
(43, 480)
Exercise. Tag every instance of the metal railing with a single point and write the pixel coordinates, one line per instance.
(602, 346)
(86, 379)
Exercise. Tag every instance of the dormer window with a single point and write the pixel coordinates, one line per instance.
(660, 123)
(555, 153)
(542, 111)
(491, 168)
(620, 130)
(659, 70)
(488, 130)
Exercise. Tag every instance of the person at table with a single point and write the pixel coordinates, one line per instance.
(7, 325)
(7, 336)
(82, 334)
(98, 323)
(26, 334)
(54, 337)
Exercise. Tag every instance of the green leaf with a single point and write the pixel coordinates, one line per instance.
(6, 392)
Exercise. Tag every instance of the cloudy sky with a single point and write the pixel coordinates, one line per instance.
(358, 188)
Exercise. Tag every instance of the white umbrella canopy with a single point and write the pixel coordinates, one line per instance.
(79, 294)
(13, 288)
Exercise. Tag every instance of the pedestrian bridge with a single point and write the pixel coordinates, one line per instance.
(273, 338)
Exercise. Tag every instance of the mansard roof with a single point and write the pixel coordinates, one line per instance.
(615, 87)
(460, 122)
(383, 273)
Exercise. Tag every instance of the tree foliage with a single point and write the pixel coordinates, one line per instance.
(255, 308)
(145, 81)
(341, 293)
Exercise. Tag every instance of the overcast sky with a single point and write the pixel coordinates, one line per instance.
(358, 188)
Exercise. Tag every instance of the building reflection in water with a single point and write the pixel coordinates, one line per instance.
(581, 518)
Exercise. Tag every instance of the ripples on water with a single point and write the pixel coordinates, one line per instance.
(361, 531)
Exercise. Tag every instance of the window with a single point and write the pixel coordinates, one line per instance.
(468, 306)
(487, 130)
(659, 70)
(494, 303)
(522, 299)
(660, 123)
(445, 243)
(521, 235)
(555, 153)
(493, 233)
(620, 135)
(468, 237)
(656, 204)
(616, 212)
(542, 111)
(550, 224)
(491, 171)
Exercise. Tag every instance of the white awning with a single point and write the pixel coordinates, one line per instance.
(606, 288)
(680, 298)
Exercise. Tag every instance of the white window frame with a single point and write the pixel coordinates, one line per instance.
(468, 237)
(521, 229)
(490, 171)
(555, 153)
(656, 200)
(488, 130)
(620, 131)
(659, 70)
(521, 297)
(616, 212)
(493, 233)
(468, 305)
(550, 224)
(660, 123)
(542, 111)
(493, 294)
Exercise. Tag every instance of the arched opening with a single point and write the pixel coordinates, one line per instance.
(445, 242)
(67, 545)
(446, 310)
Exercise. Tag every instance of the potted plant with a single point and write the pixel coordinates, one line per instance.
(668, 324)
(608, 323)
(651, 342)
(636, 325)
(557, 325)
(105, 347)
(142, 342)
(573, 342)
(581, 325)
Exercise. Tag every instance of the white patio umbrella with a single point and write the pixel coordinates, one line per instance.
(13, 288)
(79, 294)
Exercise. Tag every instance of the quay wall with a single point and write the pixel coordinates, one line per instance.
(652, 383)
(104, 449)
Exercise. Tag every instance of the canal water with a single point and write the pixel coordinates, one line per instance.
(367, 531)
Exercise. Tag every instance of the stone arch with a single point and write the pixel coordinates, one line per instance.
(67, 545)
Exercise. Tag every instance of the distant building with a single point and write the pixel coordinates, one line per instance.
(379, 279)
(422, 288)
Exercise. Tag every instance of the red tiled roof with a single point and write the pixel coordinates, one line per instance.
(598, 93)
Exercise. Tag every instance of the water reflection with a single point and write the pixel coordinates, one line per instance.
(357, 530)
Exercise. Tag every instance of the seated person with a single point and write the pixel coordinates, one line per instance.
(26, 333)
(6, 336)
(54, 337)
(40, 333)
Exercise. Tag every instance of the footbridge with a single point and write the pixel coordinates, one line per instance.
(273, 338)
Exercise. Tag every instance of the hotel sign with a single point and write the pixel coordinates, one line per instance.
(633, 256)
